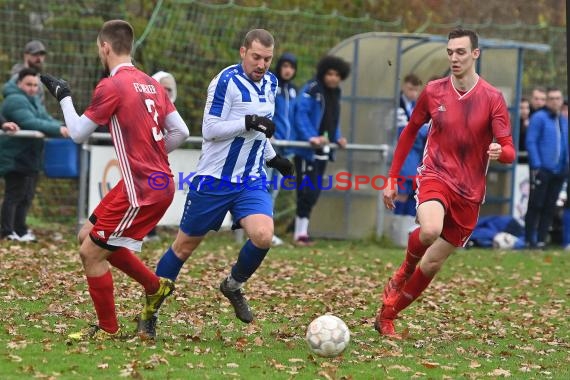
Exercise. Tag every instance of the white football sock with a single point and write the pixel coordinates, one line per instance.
(301, 227)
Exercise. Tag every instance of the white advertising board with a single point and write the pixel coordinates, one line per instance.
(104, 173)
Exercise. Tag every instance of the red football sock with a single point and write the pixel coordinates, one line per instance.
(412, 290)
(101, 291)
(414, 253)
(125, 260)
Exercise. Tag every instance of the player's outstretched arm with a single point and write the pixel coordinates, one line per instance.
(79, 127)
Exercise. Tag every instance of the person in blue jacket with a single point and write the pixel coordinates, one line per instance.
(317, 120)
(547, 145)
(405, 199)
(285, 71)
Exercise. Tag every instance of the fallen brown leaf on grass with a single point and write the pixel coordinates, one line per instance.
(400, 368)
(430, 364)
(500, 372)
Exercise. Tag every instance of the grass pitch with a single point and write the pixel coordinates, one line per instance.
(488, 314)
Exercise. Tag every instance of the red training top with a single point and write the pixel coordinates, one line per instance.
(134, 107)
(463, 127)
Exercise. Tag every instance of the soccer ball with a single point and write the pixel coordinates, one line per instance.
(327, 336)
(504, 240)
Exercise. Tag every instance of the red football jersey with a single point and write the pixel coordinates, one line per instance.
(134, 107)
(463, 126)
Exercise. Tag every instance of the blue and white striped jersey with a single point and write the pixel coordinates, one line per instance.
(229, 151)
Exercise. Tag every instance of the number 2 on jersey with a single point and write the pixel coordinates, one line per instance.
(156, 132)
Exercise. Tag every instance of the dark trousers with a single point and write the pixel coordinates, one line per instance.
(309, 183)
(18, 195)
(544, 190)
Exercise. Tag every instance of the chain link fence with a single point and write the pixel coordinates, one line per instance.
(193, 40)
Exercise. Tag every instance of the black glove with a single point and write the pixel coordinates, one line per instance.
(261, 124)
(283, 165)
(57, 87)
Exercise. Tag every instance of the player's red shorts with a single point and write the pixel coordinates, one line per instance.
(118, 224)
(460, 214)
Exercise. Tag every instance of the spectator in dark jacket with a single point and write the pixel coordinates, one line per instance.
(547, 145)
(285, 71)
(524, 117)
(317, 120)
(34, 58)
(21, 158)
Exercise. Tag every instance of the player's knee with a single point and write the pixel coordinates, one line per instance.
(431, 267)
(429, 234)
(262, 237)
(87, 256)
(183, 249)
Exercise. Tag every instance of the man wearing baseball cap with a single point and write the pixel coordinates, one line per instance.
(34, 56)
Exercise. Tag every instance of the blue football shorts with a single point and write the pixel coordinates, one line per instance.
(209, 200)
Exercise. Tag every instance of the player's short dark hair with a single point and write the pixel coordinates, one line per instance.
(119, 34)
(260, 35)
(413, 79)
(26, 72)
(331, 62)
(459, 32)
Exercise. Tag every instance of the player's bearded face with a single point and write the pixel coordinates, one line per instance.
(256, 60)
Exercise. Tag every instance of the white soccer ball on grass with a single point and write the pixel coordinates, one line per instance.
(504, 240)
(327, 336)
